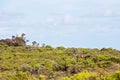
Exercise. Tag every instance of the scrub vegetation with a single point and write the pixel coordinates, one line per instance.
(19, 61)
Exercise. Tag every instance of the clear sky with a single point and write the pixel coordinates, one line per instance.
(69, 23)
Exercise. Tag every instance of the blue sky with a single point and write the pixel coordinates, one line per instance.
(69, 23)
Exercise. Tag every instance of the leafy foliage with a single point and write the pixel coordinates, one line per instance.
(15, 41)
(60, 63)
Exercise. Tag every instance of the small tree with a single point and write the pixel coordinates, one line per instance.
(15, 41)
(34, 43)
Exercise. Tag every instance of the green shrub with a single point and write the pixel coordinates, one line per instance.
(85, 75)
(115, 76)
(42, 77)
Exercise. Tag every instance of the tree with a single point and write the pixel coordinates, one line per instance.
(43, 44)
(23, 35)
(13, 37)
(34, 43)
(15, 41)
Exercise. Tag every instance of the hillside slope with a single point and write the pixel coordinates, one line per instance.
(48, 63)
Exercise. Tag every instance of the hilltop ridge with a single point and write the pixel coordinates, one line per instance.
(60, 63)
